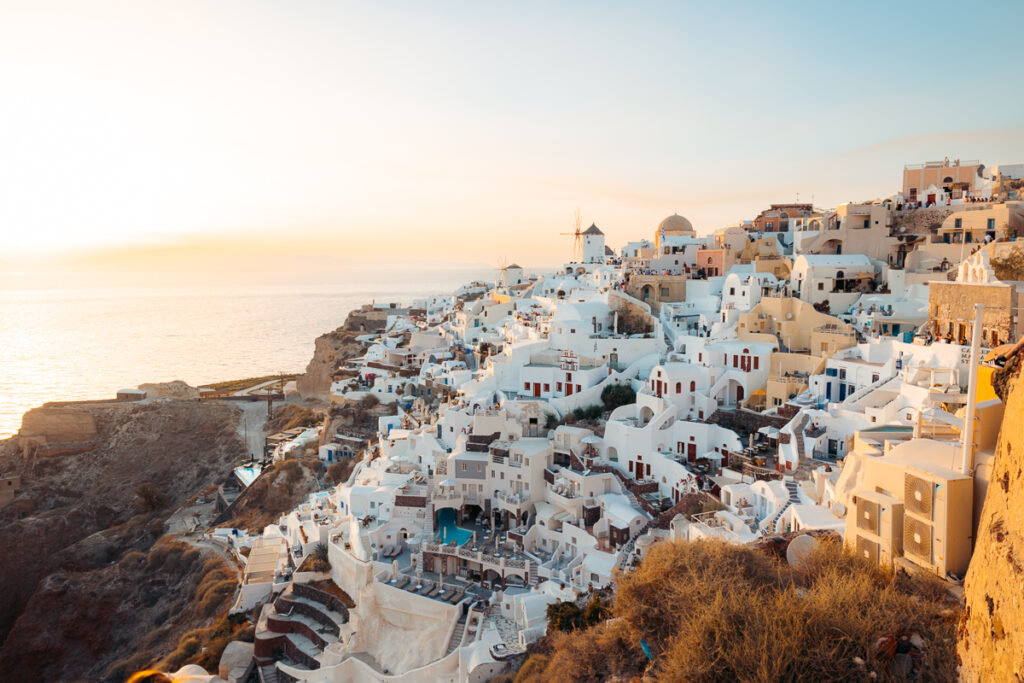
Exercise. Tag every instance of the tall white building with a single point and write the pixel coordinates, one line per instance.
(593, 245)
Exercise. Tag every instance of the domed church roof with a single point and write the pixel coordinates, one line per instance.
(675, 224)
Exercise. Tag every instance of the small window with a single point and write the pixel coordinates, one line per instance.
(463, 467)
(732, 290)
(821, 286)
(547, 387)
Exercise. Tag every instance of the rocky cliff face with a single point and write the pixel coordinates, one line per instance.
(991, 638)
(331, 350)
(77, 514)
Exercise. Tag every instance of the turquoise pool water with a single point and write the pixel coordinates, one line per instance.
(446, 529)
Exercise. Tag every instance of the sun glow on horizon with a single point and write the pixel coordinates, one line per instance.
(408, 132)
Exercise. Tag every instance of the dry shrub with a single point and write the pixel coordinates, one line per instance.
(715, 612)
(339, 471)
(533, 669)
(152, 497)
(188, 646)
(133, 559)
(214, 596)
(123, 668)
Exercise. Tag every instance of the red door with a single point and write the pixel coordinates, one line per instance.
(536, 389)
(691, 452)
(568, 390)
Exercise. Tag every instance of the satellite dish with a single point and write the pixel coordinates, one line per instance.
(800, 548)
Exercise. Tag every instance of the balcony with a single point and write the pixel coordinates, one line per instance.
(511, 498)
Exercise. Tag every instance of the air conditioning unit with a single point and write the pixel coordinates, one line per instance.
(877, 531)
(917, 539)
(918, 494)
(867, 515)
(867, 549)
(937, 527)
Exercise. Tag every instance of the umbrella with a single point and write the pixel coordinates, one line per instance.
(592, 439)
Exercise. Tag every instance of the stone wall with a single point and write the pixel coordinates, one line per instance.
(675, 286)
(952, 303)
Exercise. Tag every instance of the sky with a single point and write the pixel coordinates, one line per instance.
(243, 131)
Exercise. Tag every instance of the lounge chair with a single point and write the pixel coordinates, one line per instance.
(402, 582)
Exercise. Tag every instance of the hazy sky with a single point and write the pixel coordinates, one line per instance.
(469, 130)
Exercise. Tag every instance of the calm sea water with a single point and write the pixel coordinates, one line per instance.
(82, 343)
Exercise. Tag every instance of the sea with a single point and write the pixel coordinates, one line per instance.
(78, 341)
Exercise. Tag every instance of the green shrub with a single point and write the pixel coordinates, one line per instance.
(615, 395)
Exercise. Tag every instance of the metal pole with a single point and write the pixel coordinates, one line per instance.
(967, 459)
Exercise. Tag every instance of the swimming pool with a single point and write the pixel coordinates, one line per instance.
(447, 530)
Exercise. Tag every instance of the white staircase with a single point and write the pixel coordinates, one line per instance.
(456, 640)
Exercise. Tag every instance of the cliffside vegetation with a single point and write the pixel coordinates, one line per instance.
(278, 489)
(708, 611)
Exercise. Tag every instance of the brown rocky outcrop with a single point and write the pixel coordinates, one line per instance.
(61, 514)
(58, 425)
(330, 352)
(991, 636)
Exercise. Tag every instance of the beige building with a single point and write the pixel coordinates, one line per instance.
(788, 376)
(857, 229)
(8, 488)
(797, 326)
(781, 217)
(951, 304)
(954, 177)
(976, 226)
(657, 289)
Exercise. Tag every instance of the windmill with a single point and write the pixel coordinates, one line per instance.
(502, 264)
(577, 247)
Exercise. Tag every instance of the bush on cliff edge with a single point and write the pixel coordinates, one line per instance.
(713, 612)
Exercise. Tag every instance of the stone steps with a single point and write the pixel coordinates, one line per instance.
(456, 640)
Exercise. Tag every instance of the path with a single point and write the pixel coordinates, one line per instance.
(251, 424)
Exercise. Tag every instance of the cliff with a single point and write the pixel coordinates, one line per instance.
(77, 517)
(991, 636)
(329, 354)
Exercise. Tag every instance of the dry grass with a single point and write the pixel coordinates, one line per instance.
(715, 612)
